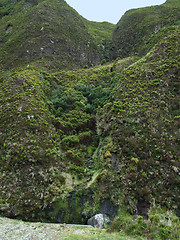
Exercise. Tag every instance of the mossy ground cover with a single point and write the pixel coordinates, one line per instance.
(162, 224)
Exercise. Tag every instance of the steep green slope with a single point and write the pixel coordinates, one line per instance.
(48, 136)
(28, 142)
(78, 142)
(140, 125)
(140, 29)
(51, 142)
(102, 32)
(45, 33)
(6, 7)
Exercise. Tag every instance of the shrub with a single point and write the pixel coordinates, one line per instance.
(161, 224)
(71, 140)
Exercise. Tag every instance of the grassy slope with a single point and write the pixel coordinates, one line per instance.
(28, 141)
(139, 29)
(102, 31)
(50, 31)
(32, 128)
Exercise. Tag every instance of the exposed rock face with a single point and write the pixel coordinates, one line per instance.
(108, 208)
(142, 208)
(78, 207)
(99, 220)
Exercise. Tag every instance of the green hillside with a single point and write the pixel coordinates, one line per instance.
(140, 29)
(76, 141)
(102, 32)
(47, 34)
(141, 121)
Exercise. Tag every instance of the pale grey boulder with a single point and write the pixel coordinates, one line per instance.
(99, 221)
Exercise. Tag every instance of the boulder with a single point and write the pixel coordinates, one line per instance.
(99, 221)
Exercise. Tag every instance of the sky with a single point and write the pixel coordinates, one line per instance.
(108, 10)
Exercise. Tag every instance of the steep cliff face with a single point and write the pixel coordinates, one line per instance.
(141, 120)
(79, 142)
(140, 29)
(102, 32)
(27, 142)
(48, 137)
(45, 33)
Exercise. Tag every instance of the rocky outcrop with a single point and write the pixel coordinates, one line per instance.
(99, 221)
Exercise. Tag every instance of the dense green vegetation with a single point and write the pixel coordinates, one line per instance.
(160, 225)
(142, 120)
(77, 140)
